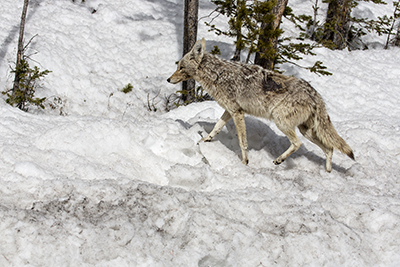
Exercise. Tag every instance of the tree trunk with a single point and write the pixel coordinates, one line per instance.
(20, 46)
(262, 59)
(239, 45)
(236, 26)
(189, 39)
(396, 13)
(236, 56)
(397, 38)
(337, 23)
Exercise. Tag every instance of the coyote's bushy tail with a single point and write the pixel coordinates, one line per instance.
(328, 135)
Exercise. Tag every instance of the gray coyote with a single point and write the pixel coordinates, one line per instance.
(243, 88)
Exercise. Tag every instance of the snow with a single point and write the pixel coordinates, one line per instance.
(111, 183)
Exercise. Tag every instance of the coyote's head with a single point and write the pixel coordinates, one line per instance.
(187, 66)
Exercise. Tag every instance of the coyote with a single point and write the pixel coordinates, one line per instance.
(242, 88)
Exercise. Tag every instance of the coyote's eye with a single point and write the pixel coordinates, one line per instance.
(180, 68)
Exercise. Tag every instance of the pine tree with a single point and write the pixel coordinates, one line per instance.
(24, 94)
(241, 23)
(256, 27)
(26, 78)
(236, 24)
(251, 23)
(272, 12)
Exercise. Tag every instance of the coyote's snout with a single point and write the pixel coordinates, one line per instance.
(178, 76)
(242, 88)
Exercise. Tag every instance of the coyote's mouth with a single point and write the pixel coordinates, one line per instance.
(172, 81)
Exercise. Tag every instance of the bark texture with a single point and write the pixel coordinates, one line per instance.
(189, 39)
(20, 45)
(268, 62)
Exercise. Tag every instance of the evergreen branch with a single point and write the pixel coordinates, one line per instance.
(317, 68)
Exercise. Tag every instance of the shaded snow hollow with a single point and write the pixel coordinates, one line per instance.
(112, 184)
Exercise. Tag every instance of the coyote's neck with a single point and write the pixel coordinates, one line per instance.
(209, 73)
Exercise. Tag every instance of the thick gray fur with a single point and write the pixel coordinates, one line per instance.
(242, 88)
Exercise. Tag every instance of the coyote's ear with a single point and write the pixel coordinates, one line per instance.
(198, 50)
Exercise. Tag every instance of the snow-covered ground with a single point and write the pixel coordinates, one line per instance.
(111, 183)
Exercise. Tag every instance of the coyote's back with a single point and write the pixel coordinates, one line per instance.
(242, 88)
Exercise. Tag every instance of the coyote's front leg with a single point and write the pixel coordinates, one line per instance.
(218, 127)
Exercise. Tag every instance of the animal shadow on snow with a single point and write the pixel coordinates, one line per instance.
(261, 137)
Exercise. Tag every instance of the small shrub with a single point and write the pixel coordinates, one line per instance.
(24, 94)
(216, 50)
(199, 96)
(128, 88)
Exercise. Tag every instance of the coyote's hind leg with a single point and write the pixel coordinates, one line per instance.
(295, 144)
(310, 135)
(217, 128)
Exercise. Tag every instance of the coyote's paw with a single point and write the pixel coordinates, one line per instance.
(278, 161)
(205, 139)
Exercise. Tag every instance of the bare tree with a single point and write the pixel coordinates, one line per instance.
(20, 46)
(189, 39)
